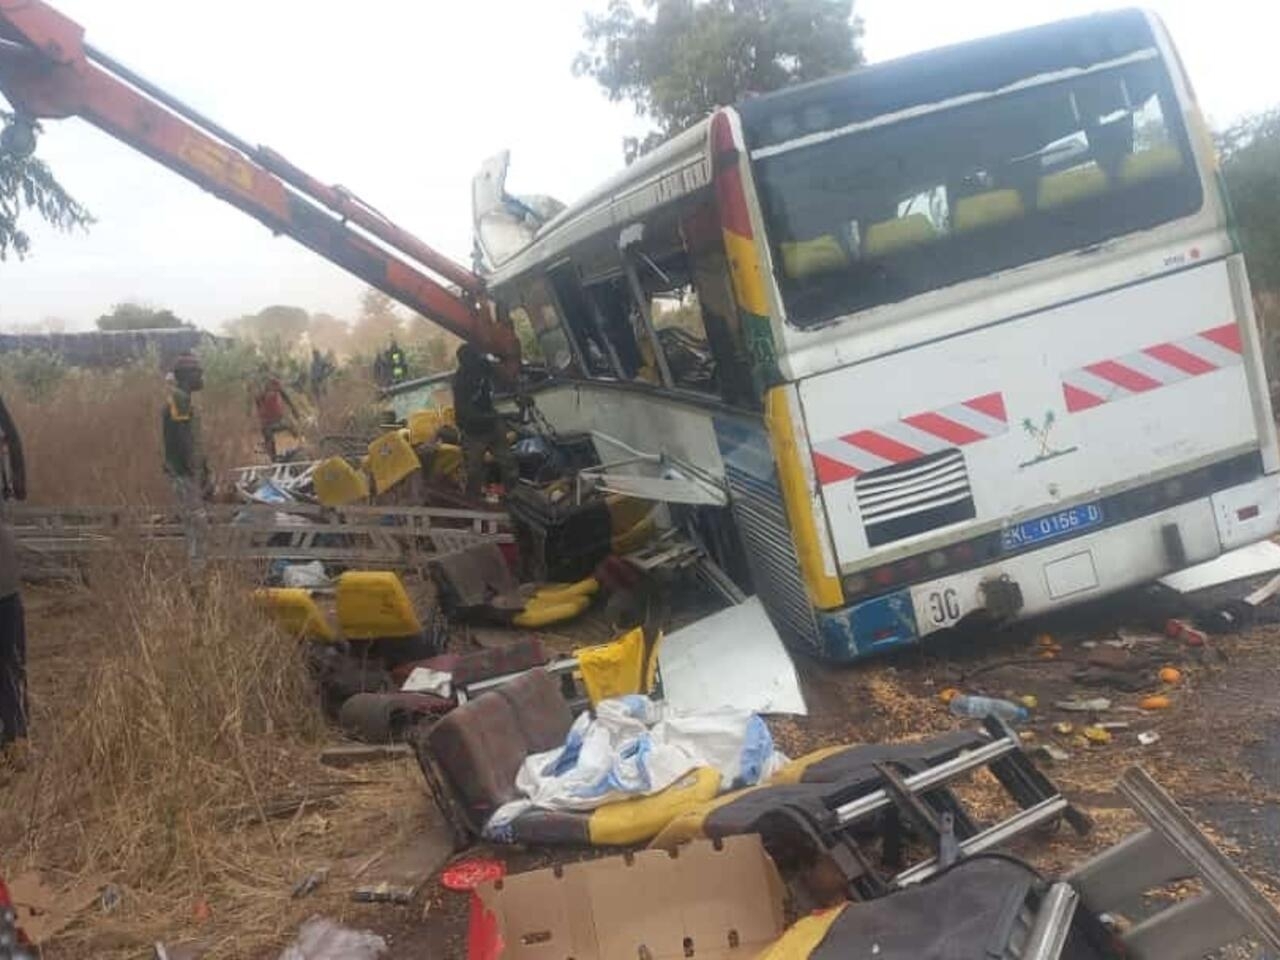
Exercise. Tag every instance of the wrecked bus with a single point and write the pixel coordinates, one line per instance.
(966, 333)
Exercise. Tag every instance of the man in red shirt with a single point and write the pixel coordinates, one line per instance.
(270, 401)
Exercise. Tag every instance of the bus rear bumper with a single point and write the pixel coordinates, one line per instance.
(1066, 572)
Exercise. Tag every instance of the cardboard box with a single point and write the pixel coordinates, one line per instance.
(711, 900)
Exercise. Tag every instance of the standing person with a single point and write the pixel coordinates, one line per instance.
(270, 400)
(13, 637)
(482, 428)
(184, 460)
(322, 366)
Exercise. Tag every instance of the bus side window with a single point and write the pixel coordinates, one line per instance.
(623, 327)
(582, 320)
(676, 315)
(530, 346)
(552, 340)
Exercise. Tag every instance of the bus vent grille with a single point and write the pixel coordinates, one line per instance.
(771, 555)
(912, 498)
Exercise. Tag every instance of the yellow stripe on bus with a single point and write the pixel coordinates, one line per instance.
(824, 589)
(748, 283)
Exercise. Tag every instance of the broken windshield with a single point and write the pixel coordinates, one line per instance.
(885, 211)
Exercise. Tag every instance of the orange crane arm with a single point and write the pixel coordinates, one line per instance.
(47, 71)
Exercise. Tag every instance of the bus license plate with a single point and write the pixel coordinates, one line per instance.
(1051, 527)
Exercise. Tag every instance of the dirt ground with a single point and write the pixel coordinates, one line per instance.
(1218, 750)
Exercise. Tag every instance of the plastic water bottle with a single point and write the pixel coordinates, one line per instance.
(979, 708)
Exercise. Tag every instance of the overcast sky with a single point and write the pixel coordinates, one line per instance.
(400, 102)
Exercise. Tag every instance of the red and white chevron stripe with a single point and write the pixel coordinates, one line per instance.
(910, 438)
(1151, 368)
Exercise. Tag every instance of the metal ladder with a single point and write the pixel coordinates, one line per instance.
(920, 800)
(1170, 848)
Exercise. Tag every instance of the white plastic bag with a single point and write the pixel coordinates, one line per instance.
(322, 939)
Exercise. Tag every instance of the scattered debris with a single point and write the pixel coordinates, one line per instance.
(1064, 728)
(398, 877)
(1030, 701)
(1097, 735)
(979, 708)
(1112, 658)
(948, 694)
(1134, 639)
(1093, 705)
(309, 884)
(1052, 752)
(352, 754)
(1113, 725)
(734, 658)
(1148, 737)
(182, 951)
(111, 898)
(1251, 561)
(322, 939)
(466, 875)
(1156, 702)
(1181, 630)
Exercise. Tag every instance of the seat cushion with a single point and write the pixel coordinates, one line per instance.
(540, 709)
(479, 748)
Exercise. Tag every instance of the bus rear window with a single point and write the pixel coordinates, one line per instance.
(888, 211)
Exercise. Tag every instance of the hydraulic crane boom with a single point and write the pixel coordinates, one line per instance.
(47, 71)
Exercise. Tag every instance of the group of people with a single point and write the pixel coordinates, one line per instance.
(482, 428)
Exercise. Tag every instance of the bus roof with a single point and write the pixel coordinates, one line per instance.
(618, 201)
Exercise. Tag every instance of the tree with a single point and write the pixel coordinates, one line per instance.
(1250, 154)
(680, 59)
(138, 316)
(278, 326)
(378, 322)
(28, 185)
(328, 332)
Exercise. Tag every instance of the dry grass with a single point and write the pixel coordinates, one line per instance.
(95, 439)
(175, 739)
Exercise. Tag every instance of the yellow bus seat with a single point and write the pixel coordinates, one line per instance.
(889, 236)
(543, 613)
(625, 512)
(986, 209)
(1146, 164)
(423, 425)
(294, 610)
(627, 822)
(373, 604)
(619, 667)
(391, 459)
(1069, 186)
(804, 258)
(338, 483)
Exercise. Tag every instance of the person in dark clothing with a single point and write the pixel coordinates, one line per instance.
(482, 428)
(13, 637)
(184, 460)
(397, 364)
(322, 368)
